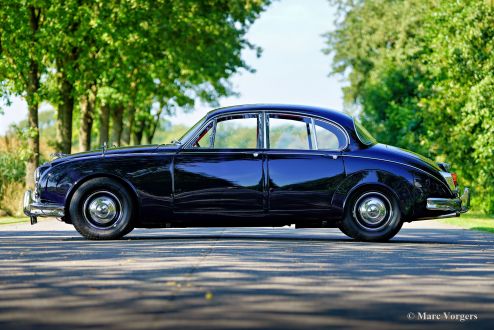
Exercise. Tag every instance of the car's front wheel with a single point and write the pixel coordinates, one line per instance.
(372, 215)
(101, 208)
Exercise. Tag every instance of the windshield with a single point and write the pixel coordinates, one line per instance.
(363, 134)
(188, 135)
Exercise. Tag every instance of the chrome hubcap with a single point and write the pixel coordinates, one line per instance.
(372, 210)
(102, 209)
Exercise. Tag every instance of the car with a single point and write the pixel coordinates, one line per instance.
(250, 166)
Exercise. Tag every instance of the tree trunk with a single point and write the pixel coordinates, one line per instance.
(117, 124)
(127, 132)
(32, 142)
(86, 124)
(32, 106)
(138, 132)
(87, 104)
(151, 128)
(104, 123)
(64, 117)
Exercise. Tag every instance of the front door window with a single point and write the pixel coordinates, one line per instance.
(230, 132)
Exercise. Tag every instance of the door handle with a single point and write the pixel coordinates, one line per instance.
(255, 154)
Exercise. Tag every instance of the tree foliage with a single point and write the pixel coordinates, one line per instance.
(420, 74)
(119, 66)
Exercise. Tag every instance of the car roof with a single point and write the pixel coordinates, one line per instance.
(334, 115)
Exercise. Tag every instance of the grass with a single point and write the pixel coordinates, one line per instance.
(12, 220)
(474, 221)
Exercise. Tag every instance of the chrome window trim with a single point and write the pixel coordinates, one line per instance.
(312, 117)
(213, 135)
(214, 120)
(265, 121)
(314, 134)
(265, 130)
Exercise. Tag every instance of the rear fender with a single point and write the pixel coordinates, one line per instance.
(401, 187)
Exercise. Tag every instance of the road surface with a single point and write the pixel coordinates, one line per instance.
(238, 278)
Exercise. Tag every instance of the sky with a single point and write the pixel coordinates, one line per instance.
(291, 70)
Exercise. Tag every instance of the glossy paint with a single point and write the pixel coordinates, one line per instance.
(174, 185)
(296, 175)
(218, 181)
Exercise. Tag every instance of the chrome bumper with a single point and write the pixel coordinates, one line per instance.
(459, 204)
(34, 209)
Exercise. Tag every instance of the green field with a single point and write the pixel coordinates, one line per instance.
(475, 221)
(12, 220)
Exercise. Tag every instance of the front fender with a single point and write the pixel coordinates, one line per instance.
(147, 176)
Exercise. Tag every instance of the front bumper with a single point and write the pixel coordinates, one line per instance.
(459, 205)
(34, 209)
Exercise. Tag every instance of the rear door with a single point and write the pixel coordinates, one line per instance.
(304, 163)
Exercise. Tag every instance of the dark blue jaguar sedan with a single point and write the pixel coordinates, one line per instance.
(251, 165)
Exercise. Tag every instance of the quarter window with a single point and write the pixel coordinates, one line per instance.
(329, 137)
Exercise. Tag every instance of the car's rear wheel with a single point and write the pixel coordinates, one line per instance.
(372, 215)
(102, 208)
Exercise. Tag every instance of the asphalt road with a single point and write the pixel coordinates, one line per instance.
(256, 278)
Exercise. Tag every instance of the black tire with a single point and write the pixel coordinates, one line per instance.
(102, 209)
(344, 231)
(128, 230)
(372, 216)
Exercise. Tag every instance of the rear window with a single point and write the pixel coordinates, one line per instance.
(363, 134)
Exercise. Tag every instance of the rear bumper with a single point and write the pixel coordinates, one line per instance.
(34, 209)
(458, 205)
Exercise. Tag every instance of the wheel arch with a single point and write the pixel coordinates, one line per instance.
(395, 185)
(130, 188)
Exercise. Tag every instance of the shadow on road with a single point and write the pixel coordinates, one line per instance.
(243, 278)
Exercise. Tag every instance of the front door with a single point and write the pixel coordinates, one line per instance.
(221, 170)
(304, 163)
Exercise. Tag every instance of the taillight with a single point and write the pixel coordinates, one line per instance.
(455, 178)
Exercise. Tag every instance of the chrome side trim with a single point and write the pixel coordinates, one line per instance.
(38, 209)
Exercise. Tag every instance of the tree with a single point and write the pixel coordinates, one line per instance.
(421, 74)
(386, 79)
(170, 52)
(460, 111)
(21, 66)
